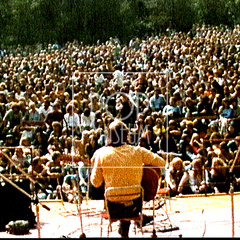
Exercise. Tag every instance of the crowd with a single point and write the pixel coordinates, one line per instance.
(178, 95)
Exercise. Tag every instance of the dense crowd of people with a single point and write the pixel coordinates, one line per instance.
(178, 95)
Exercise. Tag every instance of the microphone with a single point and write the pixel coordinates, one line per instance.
(46, 207)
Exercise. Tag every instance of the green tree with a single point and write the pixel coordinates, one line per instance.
(214, 13)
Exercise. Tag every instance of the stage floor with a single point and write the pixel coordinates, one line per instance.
(194, 216)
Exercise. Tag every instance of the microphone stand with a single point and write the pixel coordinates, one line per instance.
(231, 189)
(36, 201)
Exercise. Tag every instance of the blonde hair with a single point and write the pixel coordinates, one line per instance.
(176, 161)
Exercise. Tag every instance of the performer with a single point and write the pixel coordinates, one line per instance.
(119, 164)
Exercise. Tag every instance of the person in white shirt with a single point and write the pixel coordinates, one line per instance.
(45, 109)
(118, 77)
(87, 119)
(71, 121)
(19, 93)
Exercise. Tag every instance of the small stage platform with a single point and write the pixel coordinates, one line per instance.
(196, 216)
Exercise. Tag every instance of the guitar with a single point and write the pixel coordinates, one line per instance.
(69, 158)
(150, 179)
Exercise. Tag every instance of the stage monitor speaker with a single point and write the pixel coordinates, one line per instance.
(15, 205)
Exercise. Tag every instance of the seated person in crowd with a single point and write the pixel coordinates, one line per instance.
(55, 115)
(33, 114)
(57, 132)
(204, 107)
(225, 113)
(196, 145)
(225, 110)
(71, 121)
(70, 186)
(80, 144)
(38, 171)
(39, 143)
(225, 154)
(185, 147)
(171, 110)
(167, 143)
(84, 175)
(54, 170)
(37, 168)
(214, 149)
(4, 162)
(54, 144)
(174, 174)
(193, 180)
(87, 119)
(189, 129)
(217, 176)
(20, 159)
(12, 117)
(157, 101)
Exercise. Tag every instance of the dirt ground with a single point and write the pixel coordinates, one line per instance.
(186, 216)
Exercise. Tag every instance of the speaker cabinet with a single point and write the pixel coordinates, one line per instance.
(15, 205)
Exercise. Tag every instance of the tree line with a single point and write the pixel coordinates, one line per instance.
(28, 22)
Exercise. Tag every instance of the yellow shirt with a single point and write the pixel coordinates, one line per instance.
(159, 131)
(122, 166)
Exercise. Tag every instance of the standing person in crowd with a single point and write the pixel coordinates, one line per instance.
(120, 164)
